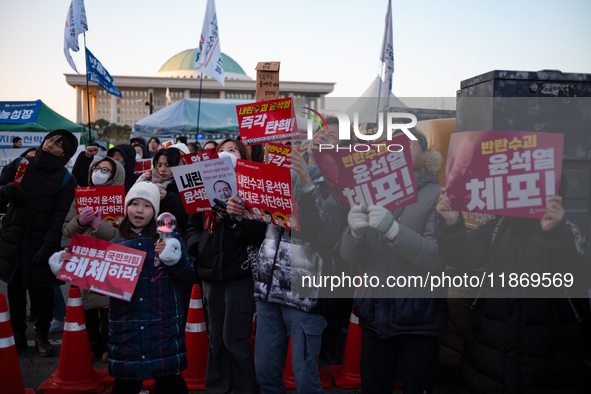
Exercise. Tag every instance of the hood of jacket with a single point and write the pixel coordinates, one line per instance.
(48, 162)
(128, 153)
(118, 177)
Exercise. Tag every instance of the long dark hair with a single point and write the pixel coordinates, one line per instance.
(173, 157)
(125, 230)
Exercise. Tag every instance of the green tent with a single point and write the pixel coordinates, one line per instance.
(49, 120)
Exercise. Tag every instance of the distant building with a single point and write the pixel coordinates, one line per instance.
(179, 76)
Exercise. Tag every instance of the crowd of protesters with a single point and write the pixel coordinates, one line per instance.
(516, 345)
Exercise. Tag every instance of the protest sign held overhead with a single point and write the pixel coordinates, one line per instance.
(191, 188)
(267, 85)
(383, 175)
(142, 166)
(219, 178)
(106, 200)
(503, 172)
(201, 155)
(268, 193)
(267, 121)
(278, 155)
(102, 267)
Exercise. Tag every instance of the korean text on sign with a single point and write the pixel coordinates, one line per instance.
(191, 188)
(106, 200)
(278, 155)
(102, 267)
(267, 121)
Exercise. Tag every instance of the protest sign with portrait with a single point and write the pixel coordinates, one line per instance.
(219, 178)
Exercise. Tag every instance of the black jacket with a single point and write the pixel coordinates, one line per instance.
(128, 153)
(520, 345)
(224, 255)
(31, 230)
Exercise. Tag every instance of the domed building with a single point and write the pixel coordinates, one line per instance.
(177, 75)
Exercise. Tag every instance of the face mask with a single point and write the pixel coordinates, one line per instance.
(231, 156)
(122, 163)
(137, 157)
(98, 178)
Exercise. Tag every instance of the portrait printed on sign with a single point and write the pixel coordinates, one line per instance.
(219, 179)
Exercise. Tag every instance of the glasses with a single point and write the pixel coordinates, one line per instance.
(54, 141)
(104, 170)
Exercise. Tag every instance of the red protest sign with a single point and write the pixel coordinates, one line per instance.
(107, 200)
(267, 193)
(191, 188)
(102, 267)
(142, 166)
(201, 155)
(278, 155)
(383, 175)
(266, 121)
(503, 172)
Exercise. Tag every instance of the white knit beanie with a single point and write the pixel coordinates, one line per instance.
(146, 190)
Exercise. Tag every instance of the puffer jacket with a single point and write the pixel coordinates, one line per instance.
(391, 311)
(520, 344)
(31, 229)
(286, 257)
(147, 334)
(105, 231)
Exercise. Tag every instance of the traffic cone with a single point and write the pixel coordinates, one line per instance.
(75, 373)
(10, 371)
(346, 375)
(197, 344)
(289, 378)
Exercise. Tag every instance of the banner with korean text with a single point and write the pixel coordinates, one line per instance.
(268, 193)
(102, 267)
(142, 166)
(19, 111)
(503, 172)
(191, 188)
(278, 155)
(201, 155)
(382, 174)
(106, 200)
(267, 121)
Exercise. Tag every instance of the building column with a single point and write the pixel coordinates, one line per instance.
(222, 94)
(84, 107)
(93, 107)
(187, 93)
(114, 109)
(78, 104)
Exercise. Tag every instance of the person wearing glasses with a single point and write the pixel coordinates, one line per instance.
(31, 232)
(106, 172)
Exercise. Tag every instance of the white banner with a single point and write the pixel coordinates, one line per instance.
(209, 55)
(75, 25)
(388, 57)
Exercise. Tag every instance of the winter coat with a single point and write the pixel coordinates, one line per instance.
(31, 229)
(286, 255)
(81, 169)
(147, 334)
(520, 345)
(226, 254)
(391, 311)
(128, 153)
(105, 231)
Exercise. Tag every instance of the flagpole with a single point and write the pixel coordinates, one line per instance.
(87, 92)
(199, 109)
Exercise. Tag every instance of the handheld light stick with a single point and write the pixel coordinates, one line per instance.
(165, 225)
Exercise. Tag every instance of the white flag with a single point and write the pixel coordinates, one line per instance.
(388, 54)
(75, 25)
(209, 55)
(167, 97)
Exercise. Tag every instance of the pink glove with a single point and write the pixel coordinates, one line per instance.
(86, 217)
(94, 223)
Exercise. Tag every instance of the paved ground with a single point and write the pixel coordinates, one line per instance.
(35, 369)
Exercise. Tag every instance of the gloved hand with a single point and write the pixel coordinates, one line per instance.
(10, 191)
(382, 220)
(86, 217)
(42, 255)
(171, 254)
(56, 262)
(358, 220)
(96, 221)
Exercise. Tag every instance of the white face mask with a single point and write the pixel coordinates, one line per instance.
(137, 157)
(231, 156)
(98, 178)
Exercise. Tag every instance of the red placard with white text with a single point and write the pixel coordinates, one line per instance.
(278, 155)
(267, 121)
(508, 173)
(191, 188)
(102, 267)
(142, 166)
(267, 192)
(107, 200)
(201, 155)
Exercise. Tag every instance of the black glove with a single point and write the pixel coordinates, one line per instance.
(10, 191)
(43, 255)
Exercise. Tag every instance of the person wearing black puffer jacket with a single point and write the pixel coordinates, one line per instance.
(518, 343)
(31, 233)
(399, 322)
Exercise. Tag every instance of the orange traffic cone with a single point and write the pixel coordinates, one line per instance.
(10, 371)
(196, 342)
(289, 378)
(346, 375)
(75, 373)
